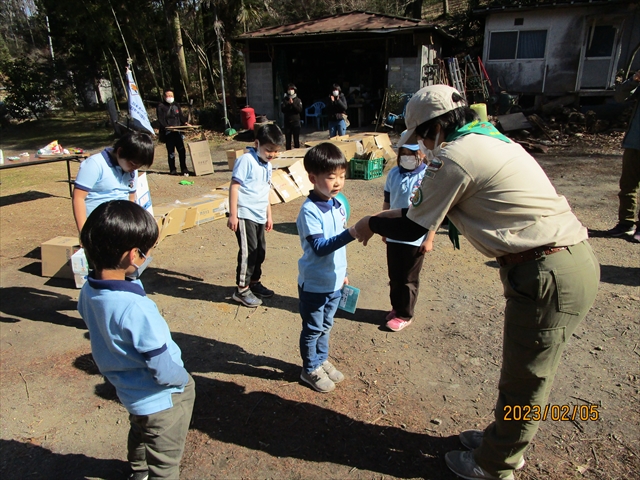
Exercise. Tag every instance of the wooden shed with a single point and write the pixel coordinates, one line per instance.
(363, 52)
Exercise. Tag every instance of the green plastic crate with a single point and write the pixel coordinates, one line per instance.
(366, 169)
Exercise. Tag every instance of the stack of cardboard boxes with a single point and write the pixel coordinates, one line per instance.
(181, 215)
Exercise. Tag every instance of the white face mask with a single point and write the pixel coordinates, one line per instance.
(139, 269)
(335, 93)
(169, 100)
(409, 162)
(430, 154)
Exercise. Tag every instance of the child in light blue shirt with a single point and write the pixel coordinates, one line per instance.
(111, 174)
(404, 259)
(130, 341)
(250, 213)
(323, 267)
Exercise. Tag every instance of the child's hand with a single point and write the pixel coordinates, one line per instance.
(232, 223)
(346, 281)
(269, 225)
(426, 246)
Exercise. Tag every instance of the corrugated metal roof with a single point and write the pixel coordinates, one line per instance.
(546, 4)
(351, 22)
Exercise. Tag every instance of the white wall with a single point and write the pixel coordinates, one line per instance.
(260, 88)
(557, 72)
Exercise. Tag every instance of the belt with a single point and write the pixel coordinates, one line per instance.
(527, 255)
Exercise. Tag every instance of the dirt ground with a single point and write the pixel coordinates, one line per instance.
(407, 395)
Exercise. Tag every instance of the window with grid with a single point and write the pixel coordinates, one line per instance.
(524, 44)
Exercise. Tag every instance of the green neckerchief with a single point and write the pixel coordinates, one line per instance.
(481, 128)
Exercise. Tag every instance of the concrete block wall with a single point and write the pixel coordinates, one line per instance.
(260, 88)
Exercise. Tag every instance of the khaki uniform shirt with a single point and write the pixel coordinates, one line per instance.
(497, 195)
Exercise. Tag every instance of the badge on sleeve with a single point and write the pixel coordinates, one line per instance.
(416, 199)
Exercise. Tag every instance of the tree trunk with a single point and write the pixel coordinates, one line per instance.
(179, 60)
(153, 73)
(209, 36)
(414, 9)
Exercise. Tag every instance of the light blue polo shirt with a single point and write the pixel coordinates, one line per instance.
(126, 329)
(254, 177)
(105, 181)
(321, 219)
(400, 187)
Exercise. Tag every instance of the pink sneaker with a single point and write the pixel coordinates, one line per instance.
(390, 315)
(396, 324)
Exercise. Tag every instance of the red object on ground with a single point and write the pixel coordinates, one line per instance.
(248, 117)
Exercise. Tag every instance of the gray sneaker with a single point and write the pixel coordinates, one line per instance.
(472, 439)
(318, 379)
(247, 298)
(139, 475)
(333, 373)
(464, 465)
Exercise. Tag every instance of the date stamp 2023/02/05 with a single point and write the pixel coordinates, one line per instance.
(556, 413)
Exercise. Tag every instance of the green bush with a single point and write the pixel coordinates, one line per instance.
(211, 118)
(29, 86)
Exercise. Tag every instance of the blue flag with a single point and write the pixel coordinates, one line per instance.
(137, 112)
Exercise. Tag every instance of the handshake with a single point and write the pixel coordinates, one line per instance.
(361, 231)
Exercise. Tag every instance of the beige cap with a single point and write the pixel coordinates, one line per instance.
(427, 103)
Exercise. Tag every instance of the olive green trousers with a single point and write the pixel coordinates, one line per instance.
(547, 299)
(629, 185)
(156, 442)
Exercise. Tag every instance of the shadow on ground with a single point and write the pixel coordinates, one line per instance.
(27, 460)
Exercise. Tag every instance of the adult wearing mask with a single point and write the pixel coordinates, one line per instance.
(630, 176)
(292, 108)
(170, 115)
(501, 200)
(336, 109)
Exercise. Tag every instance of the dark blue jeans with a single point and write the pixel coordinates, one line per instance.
(337, 127)
(317, 311)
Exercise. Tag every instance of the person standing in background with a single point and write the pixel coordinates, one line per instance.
(337, 109)
(630, 176)
(170, 115)
(292, 108)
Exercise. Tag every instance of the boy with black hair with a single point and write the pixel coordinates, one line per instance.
(130, 341)
(323, 266)
(250, 213)
(111, 174)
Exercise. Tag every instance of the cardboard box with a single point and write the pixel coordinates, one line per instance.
(284, 185)
(143, 195)
(300, 177)
(273, 197)
(80, 267)
(170, 218)
(79, 263)
(381, 139)
(201, 157)
(294, 153)
(205, 209)
(232, 155)
(349, 147)
(55, 255)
